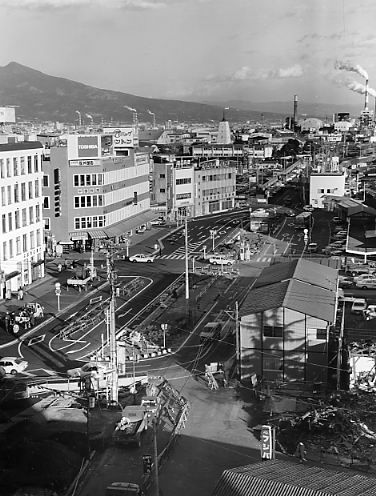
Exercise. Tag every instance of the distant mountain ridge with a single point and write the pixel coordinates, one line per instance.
(39, 96)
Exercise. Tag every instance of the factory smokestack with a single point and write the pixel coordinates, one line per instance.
(295, 111)
(366, 96)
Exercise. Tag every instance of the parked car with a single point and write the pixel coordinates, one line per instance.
(337, 220)
(140, 257)
(13, 365)
(158, 222)
(356, 270)
(358, 306)
(312, 247)
(221, 260)
(345, 282)
(365, 281)
(141, 229)
(308, 208)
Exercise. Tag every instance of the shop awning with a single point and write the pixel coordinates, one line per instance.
(12, 274)
(128, 224)
(98, 234)
(78, 235)
(66, 242)
(38, 262)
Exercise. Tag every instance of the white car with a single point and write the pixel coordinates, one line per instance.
(13, 365)
(370, 312)
(221, 260)
(158, 222)
(365, 281)
(358, 305)
(140, 257)
(90, 369)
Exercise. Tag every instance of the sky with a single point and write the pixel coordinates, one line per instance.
(199, 50)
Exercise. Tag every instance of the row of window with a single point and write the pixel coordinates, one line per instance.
(184, 180)
(88, 201)
(89, 222)
(217, 177)
(277, 332)
(20, 218)
(88, 179)
(15, 193)
(322, 190)
(21, 244)
(18, 166)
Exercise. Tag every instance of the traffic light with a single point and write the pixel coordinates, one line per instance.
(147, 461)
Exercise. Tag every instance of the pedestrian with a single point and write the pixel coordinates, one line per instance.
(20, 294)
(7, 320)
(300, 452)
(15, 329)
(59, 267)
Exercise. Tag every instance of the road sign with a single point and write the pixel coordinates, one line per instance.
(57, 291)
(266, 442)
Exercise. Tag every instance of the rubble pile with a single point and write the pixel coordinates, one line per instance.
(346, 427)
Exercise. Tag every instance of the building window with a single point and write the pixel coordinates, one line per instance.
(10, 221)
(17, 219)
(29, 165)
(2, 171)
(36, 189)
(9, 194)
(32, 240)
(36, 163)
(46, 181)
(47, 223)
(31, 196)
(39, 238)
(5, 252)
(184, 180)
(135, 200)
(8, 167)
(23, 191)
(24, 243)
(16, 193)
(162, 190)
(31, 215)
(15, 166)
(273, 331)
(3, 199)
(162, 176)
(22, 163)
(11, 248)
(4, 223)
(24, 218)
(37, 213)
(18, 245)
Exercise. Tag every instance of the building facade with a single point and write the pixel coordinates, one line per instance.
(22, 243)
(94, 190)
(326, 183)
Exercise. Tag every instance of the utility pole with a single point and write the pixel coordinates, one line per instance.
(186, 262)
(340, 342)
(237, 340)
(155, 445)
(112, 325)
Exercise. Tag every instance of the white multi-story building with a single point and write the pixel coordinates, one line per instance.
(21, 202)
(323, 184)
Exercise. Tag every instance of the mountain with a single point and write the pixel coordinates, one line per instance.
(41, 97)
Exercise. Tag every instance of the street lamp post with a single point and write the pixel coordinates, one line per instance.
(58, 293)
(164, 329)
(213, 232)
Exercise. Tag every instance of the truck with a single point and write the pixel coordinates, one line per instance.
(210, 332)
(78, 283)
(131, 426)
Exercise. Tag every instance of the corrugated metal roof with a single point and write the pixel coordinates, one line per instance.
(279, 477)
(20, 145)
(301, 269)
(264, 298)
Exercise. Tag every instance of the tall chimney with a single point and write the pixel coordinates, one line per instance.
(366, 96)
(295, 110)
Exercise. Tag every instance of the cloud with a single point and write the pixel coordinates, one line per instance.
(245, 73)
(66, 4)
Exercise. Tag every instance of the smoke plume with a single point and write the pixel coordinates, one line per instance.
(347, 66)
(360, 88)
(130, 108)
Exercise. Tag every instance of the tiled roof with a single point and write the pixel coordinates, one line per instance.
(264, 298)
(279, 477)
(20, 145)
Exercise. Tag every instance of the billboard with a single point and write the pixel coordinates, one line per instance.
(123, 137)
(267, 443)
(7, 114)
(83, 146)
